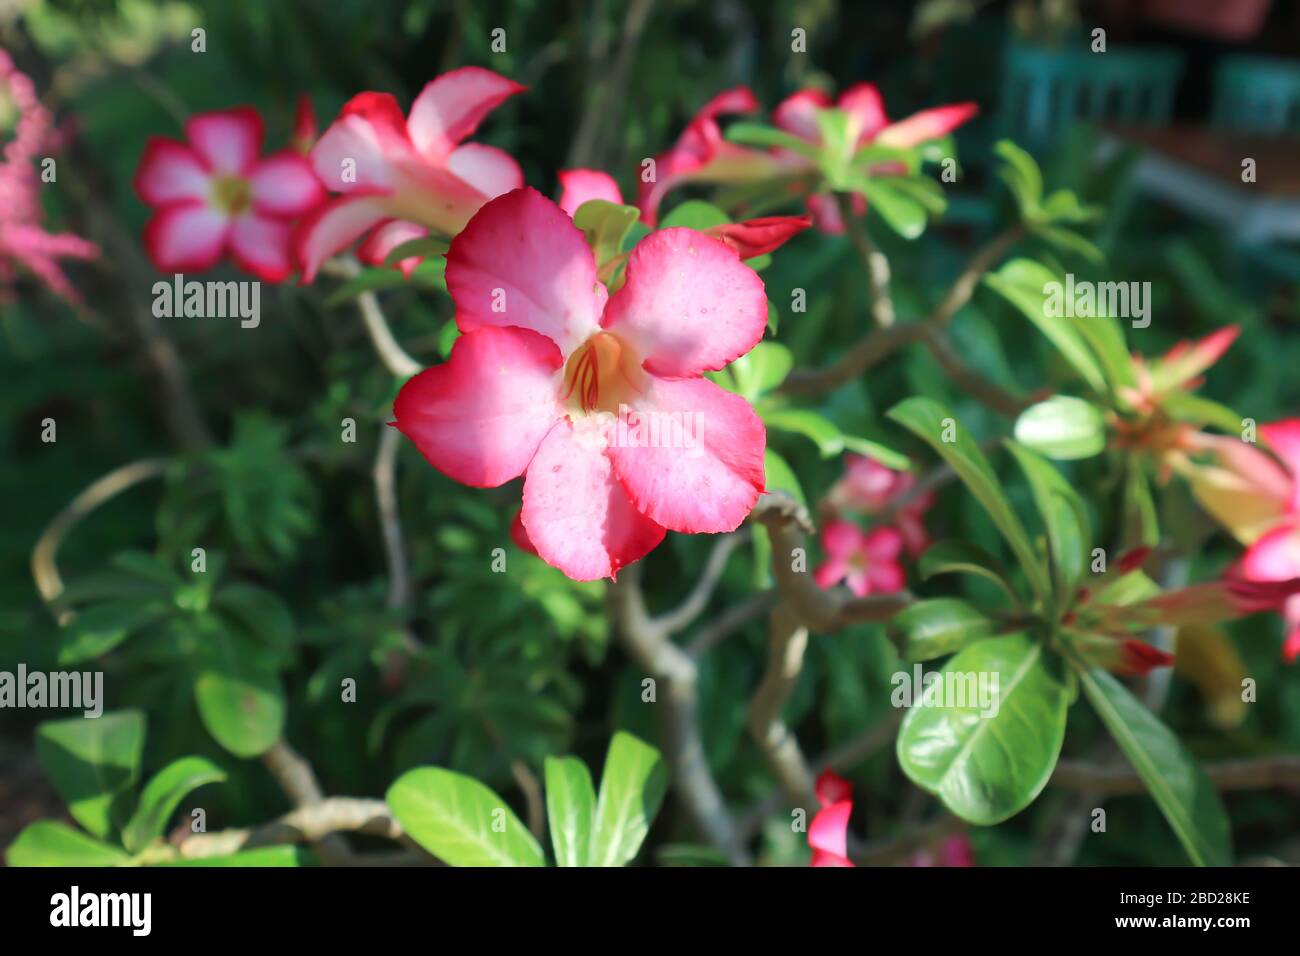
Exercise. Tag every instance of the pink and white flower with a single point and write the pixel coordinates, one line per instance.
(866, 561)
(400, 177)
(215, 195)
(869, 488)
(547, 360)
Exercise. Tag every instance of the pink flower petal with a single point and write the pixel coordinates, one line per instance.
(285, 186)
(331, 227)
(866, 108)
(578, 186)
(1275, 556)
(832, 788)
(885, 577)
(490, 170)
(359, 151)
(305, 129)
(926, 125)
(576, 513)
(883, 544)
(689, 304)
(825, 214)
(261, 245)
(228, 140)
(858, 580)
(171, 172)
(829, 830)
(830, 572)
(519, 534)
(841, 539)
(189, 237)
(479, 416)
(708, 487)
(1284, 438)
(521, 262)
(758, 237)
(450, 107)
(822, 858)
(797, 114)
(384, 239)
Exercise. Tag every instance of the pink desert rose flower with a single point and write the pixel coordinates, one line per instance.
(401, 177)
(702, 155)
(215, 195)
(954, 851)
(797, 115)
(828, 834)
(555, 379)
(869, 488)
(751, 238)
(866, 561)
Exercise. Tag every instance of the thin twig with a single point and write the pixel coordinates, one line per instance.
(390, 520)
(873, 261)
(309, 823)
(685, 613)
(713, 633)
(386, 346)
(787, 641)
(1253, 773)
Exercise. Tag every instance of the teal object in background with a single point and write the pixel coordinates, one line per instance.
(1257, 95)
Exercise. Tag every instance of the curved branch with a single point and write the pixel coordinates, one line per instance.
(787, 641)
(390, 352)
(675, 620)
(1255, 773)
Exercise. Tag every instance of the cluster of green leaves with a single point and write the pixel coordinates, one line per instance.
(986, 767)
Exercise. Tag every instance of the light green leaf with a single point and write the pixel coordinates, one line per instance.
(1064, 518)
(694, 214)
(238, 692)
(900, 210)
(988, 763)
(94, 763)
(761, 369)
(460, 821)
(163, 794)
(631, 788)
(823, 432)
(931, 422)
(263, 856)
(873, 449)
(260, 612)
(51, 843)
(1180, 787)
(930, 629)
(606, 225)
(1022, 176)
(571, 809)
(756, 134)
(1028, 286)
(98, 629)
(961, 557)
(1062, 427)
(425, 247)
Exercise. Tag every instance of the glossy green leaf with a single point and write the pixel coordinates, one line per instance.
(262, 856)
(962, 557)
(163, 794)
(761, 369)
(51, 843)
(1064, 518)
(98, 629)
(632, 787)
(931, 422)
(1022, 176)
(570, 809)
(605, 225)
(1180, 787)
(930, 629)
(238, 692)
(901, 211)
(873, 449)
(94, 764)
(988, 763)
(757, 134)
(1062, 427)
(1027, 285)
(694, 214)
(781, 477)
(823, 432)
(460, 821)
(425, 247)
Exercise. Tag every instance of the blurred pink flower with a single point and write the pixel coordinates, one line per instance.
(828, 834)
(870, 488)
(953, 851)
(23, 240)
(866, 561)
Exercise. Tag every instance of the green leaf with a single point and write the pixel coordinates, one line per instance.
(873, 449)
(900, 210)
(424, 247)
(1070, 241)
(1062, 427)
(51, 843)
(930, 629)
(94, 764)
(238, 692)
(1180, 787)
(1026, 285)
(694, 214)
(571, 809)
(1064, 518)
(260, 612)
(823, 432)
(460, 821)
(930, 421)
(781, 477)
(986, 767)
(756, 134)
(369, 280)
(631, 788)
(605, 225)
(1022, 176)
(1141, 520)
(263, 856)
(761, 369)
(163, 794)
(961, 557)
(1104, 334)
(98, 629)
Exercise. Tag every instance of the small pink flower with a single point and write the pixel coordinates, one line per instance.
(828, 834)
(751, 238)
(702, 155)
(952, 851)
(868, 488)
(398, 175)
(797, 115)
(866, 561)
(554, 378)
(214, 196)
